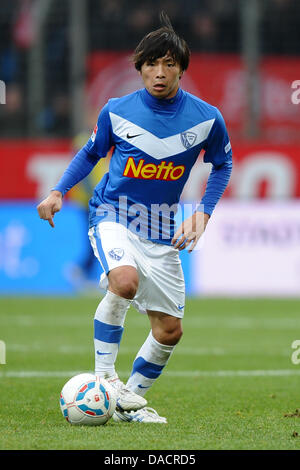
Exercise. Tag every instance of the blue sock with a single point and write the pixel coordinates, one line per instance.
(148, 365)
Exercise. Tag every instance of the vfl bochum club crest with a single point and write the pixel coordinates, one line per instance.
(188, 139)
(116, 253)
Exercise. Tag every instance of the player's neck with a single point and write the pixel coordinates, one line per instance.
(162, 103)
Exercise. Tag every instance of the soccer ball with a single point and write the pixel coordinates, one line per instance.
(87, 399)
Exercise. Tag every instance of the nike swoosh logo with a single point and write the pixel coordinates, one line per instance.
(131, 136)
(102, 353)
(180, 307)
(141, 386)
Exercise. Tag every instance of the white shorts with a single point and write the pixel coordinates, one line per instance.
(161, 281)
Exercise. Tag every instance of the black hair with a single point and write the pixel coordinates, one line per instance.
(160, 42)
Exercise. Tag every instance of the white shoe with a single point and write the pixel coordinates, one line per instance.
(145, 415)
(126, 399)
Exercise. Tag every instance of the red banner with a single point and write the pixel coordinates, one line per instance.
(265, 170)
(29, 169)
(260, 170)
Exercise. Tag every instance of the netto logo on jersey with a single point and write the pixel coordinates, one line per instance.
(164, 171)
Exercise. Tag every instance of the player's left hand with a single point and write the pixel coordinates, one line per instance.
(190, 231)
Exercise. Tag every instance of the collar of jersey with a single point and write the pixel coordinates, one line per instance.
(162, 105)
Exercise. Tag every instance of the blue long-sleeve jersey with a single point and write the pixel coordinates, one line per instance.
(156, 143)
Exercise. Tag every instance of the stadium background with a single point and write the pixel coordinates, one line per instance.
(61, 60)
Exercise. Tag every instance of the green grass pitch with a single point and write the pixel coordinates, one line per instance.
(229, 384)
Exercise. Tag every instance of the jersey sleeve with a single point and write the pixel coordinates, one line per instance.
(101, 139)
(85, 160)
(218, 152)
(218, 147)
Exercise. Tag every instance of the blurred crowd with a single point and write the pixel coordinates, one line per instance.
(208, 26)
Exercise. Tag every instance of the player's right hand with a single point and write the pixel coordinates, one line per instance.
(49, 206)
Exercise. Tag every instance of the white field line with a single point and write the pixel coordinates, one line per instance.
(187, 373)
(181, 350)
(66, 349)
(238, 322)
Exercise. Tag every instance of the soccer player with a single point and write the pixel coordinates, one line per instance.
(157, 133)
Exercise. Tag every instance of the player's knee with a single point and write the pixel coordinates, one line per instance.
(124, 283)
(169, 335)
(127, 289)
(176, 335)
